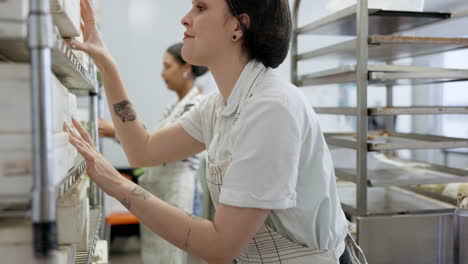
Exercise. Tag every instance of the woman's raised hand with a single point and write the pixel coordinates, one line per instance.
(98, 168)
(93, 44)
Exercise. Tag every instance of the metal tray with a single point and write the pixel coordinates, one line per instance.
(381, 22)
(390, 200)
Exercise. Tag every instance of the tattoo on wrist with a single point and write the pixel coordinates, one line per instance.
(126, 202)
(140, 192)
(124, 110)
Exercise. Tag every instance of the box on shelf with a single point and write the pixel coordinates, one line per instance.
(15, 99)
(13, 14)
(16, 241)
(101, 255)
(73, 215)
(66, 254)
(396, 5)
(16, 167)
(16, 244)
(67, 16)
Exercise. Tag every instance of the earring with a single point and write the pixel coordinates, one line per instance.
(234, 37)
(186, 75)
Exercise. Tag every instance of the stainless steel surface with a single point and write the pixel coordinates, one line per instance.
(461, 236)
(40, 44)
(96, 219)
(362, 69)
(390, 200)
(418, 78)
(383, 73)
(408, 238)
(93, 103)
(394, 141)
(385, 48)
(65, 65)
(380, 22)
(390, 111)
(406, 173)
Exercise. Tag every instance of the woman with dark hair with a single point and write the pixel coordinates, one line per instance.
(174, 183)
(269, 170)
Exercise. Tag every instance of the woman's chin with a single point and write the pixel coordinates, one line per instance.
(190, 56)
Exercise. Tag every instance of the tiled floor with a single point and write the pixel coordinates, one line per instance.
(125, 258)
(125, 251)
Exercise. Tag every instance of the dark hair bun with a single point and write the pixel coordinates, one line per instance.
(176, 51)
(199, 70)
(268, 38)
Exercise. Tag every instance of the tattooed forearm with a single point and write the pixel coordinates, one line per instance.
(140, 192)
(126, 202)
(124, 110)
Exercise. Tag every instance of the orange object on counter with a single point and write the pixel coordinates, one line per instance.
(116, 219)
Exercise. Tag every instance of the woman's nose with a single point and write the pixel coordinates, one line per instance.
(186, 20)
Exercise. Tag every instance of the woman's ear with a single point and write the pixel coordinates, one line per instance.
(238, 32)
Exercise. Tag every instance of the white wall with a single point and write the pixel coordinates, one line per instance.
(137, 33)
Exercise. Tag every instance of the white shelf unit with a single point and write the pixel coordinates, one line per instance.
(49, 54)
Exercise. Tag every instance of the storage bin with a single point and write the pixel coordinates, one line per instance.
(73, 215)
(15, 99)
(16, 244)
(16, 241)
(16, 167)
(67, 17)
(13, 14)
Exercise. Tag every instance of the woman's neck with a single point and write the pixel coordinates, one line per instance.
(188, 85)
(227, 74)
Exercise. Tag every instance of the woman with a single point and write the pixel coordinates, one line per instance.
(175, 182)
(269, 169)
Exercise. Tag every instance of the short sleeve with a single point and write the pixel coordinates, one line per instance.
(265, 158)
(192, 123)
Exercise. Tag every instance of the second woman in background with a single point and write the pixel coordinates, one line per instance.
(174, 183)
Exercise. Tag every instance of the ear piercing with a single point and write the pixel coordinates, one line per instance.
(234, 37)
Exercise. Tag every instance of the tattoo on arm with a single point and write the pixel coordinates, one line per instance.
(140, 192)
(126, 202)
(124, 110)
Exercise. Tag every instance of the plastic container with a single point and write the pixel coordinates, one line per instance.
(67, 16)
(394, 5)
(15, 99)
(16, 167)
(73, 216)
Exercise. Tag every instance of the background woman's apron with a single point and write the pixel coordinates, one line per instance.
(173, 183)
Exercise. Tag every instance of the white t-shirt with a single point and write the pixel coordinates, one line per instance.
(279, 158)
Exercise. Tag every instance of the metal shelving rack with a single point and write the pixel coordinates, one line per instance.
(49, 54)
(374, 193)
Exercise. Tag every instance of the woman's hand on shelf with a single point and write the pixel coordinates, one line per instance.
(93, 43)
(98, 168)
